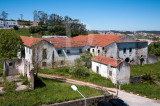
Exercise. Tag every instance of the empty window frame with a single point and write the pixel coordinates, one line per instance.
(124, 50)
(59, 51)
(130, 50)
(98, 51)
(44, 64)
(44, 54)
(110, 73)
(68, 51)
(92, 50)
(97, 69)
(80, 50)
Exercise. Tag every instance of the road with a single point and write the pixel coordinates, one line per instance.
(131, 99)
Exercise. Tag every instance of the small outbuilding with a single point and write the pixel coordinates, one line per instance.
(118, 71)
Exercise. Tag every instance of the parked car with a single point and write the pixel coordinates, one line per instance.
(104, 103)
(117, 102)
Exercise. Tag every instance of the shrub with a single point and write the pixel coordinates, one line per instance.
(79, 70)
(15, 27)
(32, 29)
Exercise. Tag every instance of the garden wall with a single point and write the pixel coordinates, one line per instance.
(92, 101)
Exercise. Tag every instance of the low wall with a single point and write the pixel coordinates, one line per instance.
(152, 59)
(92, 101)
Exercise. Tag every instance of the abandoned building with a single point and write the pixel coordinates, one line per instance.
(118, 71)
(45, 52)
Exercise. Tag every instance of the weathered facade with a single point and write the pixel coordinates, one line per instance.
(116, 70)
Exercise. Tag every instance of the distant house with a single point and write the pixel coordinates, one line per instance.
(118, 71)
(8, 23)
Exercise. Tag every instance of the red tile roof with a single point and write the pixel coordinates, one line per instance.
(106, 60)
(30, 41)
(79, 41)
(99, 40)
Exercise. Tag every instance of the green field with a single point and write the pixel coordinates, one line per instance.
(93, 77)
(47, 92)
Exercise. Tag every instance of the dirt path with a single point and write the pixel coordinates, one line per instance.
(131, 99)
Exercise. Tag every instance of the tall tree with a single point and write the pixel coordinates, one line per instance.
(21, 15)
(10, 43)
(4, 15)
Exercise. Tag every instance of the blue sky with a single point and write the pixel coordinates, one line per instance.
(96, 14)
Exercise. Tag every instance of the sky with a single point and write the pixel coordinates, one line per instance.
(96, 14)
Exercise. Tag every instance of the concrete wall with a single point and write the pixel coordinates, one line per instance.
(152, 59)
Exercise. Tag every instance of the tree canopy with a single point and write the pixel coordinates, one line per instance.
(62, 25)
(154, 48)
(10, 43)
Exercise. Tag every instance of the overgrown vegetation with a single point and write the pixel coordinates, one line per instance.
(1, 69)
(52, 92)
(154, 48)
(9, 86)
(92, 77)
(79, 70)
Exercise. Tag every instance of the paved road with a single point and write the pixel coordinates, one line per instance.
(131, 99)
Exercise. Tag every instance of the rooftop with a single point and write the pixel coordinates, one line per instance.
(79, 41)
(106, 60)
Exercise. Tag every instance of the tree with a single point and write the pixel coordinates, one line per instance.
(21, 15)
(10, 43)
(86, 58)
(4, 15)
(59, 30)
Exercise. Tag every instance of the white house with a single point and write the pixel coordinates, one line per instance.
(116, 70)
(8, 23)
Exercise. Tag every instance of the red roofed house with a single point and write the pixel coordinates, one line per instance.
(38, 52)
(118, 71)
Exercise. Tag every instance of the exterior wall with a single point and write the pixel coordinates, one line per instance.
(28, 53)
(123, 73)
(103, 69)
(37, 51)
(139, 51)
(74, 53)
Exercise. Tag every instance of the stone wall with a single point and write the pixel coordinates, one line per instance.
(152, 59)
(92, 101)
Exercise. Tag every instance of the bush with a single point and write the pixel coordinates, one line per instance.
(15, 27)
(32, 29)
(79, 70)
(35, 29)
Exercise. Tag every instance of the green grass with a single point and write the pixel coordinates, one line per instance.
(93, 77)
(23, 32)
(141, 70)
(148, 90)
(51, 92)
